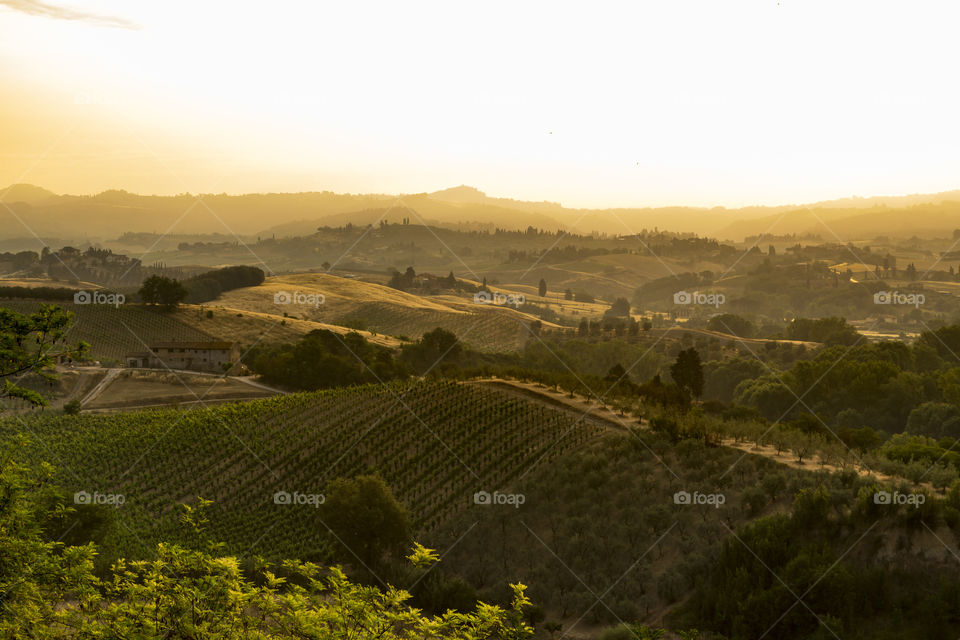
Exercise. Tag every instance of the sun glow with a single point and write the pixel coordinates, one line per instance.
(617, 105)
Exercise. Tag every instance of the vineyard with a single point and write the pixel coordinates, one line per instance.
(113, 332)
(435, 443)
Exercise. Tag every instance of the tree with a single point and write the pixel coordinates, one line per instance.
(619, 309)
(833, 331)
(687, 372)
(32, 343)
(935, 419)
(403, 281)
(162, 291)
(542, 288)
(568, 294)
(435, 348)
(365, 518)
(732, 324)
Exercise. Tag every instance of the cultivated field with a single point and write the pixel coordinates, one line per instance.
(114, 332)
(434, 443)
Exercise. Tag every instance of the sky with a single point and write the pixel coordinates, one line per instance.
(589, 104)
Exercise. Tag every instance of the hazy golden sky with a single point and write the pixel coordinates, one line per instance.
(631, 103)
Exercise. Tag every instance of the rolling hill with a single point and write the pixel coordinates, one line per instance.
(100, 216)
(353, 303)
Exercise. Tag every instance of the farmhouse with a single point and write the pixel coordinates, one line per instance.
(214, 357)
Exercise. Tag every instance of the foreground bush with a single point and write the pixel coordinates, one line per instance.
(49, 590)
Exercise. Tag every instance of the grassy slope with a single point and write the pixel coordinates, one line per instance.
(386, 310)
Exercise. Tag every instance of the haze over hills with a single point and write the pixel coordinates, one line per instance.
(31, 210)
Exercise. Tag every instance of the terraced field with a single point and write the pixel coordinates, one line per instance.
(435, 443)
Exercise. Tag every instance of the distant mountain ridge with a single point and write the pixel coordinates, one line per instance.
(29, 210)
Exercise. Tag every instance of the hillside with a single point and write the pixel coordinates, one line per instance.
(100, 216)
(929, 220)
(384, 310)
(27, 193)
(596, 505)
(114, 332)
(436, 444)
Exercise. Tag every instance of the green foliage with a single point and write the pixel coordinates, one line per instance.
(31, 343)
(732, 324)
(945, 341)
(831, 331)
(906, 448)
(827, 556)
(721, 378)
(420, 556)
(874, 381)
(687, 372)
(51, 592)
(619, 309)
(935, 419)
(656, 392)
(323, 359)
(165, 292)
(209, 285)
(72, 407)
(366, 519)
(434, 349)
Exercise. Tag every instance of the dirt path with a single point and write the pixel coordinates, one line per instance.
(609, 417)
(103, 384)
(732, 338)
(578, 404)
